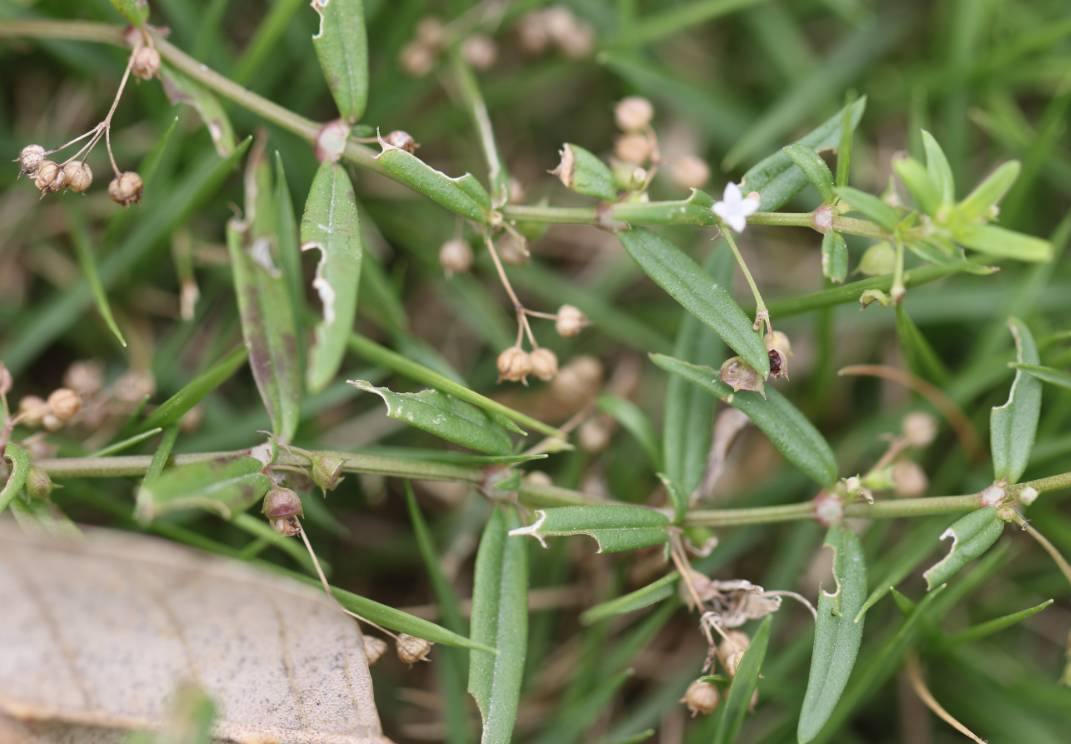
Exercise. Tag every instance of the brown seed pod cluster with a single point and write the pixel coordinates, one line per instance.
(556, 28)
(61, 408)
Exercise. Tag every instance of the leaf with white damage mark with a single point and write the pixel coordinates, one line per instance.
(331, 225)
(1012, 426)
(182, 89)
(615, 527)
(341, 44)
(464, 195)
(107, 625)
(222, 486)
(446, 417)
(971, 536)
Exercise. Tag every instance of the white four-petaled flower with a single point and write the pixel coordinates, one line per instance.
(734, 208)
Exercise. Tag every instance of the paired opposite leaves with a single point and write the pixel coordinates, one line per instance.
(683, 279)
(971, 536)
(342, 47)
(331, 225)
(222, 486)
(615, 527)
(1012, 426)
(837, 634)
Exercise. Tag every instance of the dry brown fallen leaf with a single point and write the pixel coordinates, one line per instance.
(97, 632)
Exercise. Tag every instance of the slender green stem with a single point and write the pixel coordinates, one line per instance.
(469, 90)
(897, 290)
(762, 314)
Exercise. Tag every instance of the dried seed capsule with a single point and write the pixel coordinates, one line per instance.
(544, 364)
(455, 256)
(594, 435)
(401, 140)
(633, 114)
(64, 404)
(431, 31)
(146, 62)
(736, 373)
(570, 321)
(909, 479)
(126, 188)
(49, 177)
(920, 429)
(514, 364)
(633, 148)
(579, 42)
(411, 649)
(779, 350)
(79, 176)
(513, 249)
(533, 32)
(479, 51)
(281, 503)
(731, 650)
(417, 59)
(30, 158)
(32, 410)
(327, 472)
(85, 377)
(374, 648)
(51, 422)
(38, 484)
(701, 698)
(690, 172)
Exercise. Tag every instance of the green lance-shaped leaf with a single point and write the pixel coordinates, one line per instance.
(225, 486)
(916, 178)
(743, 686)
(615, 527)
(837, 634)
(1051, 375)
(447, 418)
(331, 225)
(986, 195)
(788, 429)
(834, 257)
(645, 596)
(178, 405)
(1004, 243)
(971, 536)
(499, 620)
(869, 206)
(84, 249)
(16, 478)
(136, 12)
(919, 353)
(268, 326)
(180, 88)
(289, 253)
(342, 47)
(582, 171)
(938, 168)
(814, 168)
(997, 624)
(1012, 426)
(682, 278)
(635, 422)
(777, 178)
(464, 195)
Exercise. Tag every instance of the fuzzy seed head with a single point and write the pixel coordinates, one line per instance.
(920, 429)
(374, 648)
(544, 364)
(64, 404)
(49, 177)
(32, 410)
(38, 484)
(455, 256)
(690, 172)
(909, 479)
(125, 189)
(30, 158)
(402, 140)
(411, 649)
(479, 51)
(570, 321)
(514, 365)
(633, 114)
(417, 59)
(701, 698)
(633, 148)
(79, 176)
(736, 373)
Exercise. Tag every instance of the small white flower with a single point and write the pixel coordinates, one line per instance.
(734, 208)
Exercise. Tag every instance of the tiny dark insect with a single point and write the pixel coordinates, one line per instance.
(775, 362)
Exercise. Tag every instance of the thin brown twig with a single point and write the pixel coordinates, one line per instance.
(1047, 546)
(918, 684)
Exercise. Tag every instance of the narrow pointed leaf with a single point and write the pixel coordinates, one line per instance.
(80, 238)
(16, 477)
(834, 257)
(916, 178)
(463, 195)
(998, 241)
(182, 89)
(837, 635)
(869, 206)
(989, 192)
(1050, 375)
(446, 417)
(997, 624)
(341, 45)
(331, 225)
(645, 596)
(920, 355)
(743, 686)
(971, 536)
(938, 168)
(178, 405)
(224, 486)
(289, 253)
(615, 527)
(788, 429)
(683, 279)
(1013, 426)
(635, 422)
(814, 168)
(500, 621)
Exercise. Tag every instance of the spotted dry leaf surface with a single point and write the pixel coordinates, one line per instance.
(99, 631)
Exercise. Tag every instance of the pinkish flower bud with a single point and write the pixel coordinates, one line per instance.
(479, 51)
(633, 148)
(633, 114)
(146, 62)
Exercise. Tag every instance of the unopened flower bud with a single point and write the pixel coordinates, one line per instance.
(146, 62)
(570, 321)
(701, 697)
(64, 404)
(78, 175)
(878, 260)
(32, 410)
(633, 114)
(126, 188)
(633, 148)
(331, 140)
(327, 471)
(479, 51)
(920, 429)
(594, 435)
(411, 649)
(736, 373)
(374, 648)
(38, 484)
(909, 479)
(828, 508)
(629, 177)
(455, 256)
(49, 177)
(690, 172)
(431, 31)
(544, 363)
(417, 59)
(514, 365)
(538, 478)
(992, 495)
(30, 158)
(401, 140)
